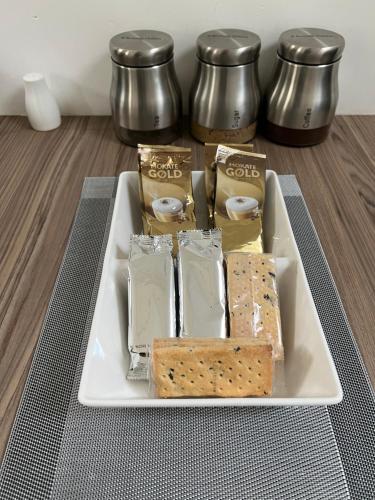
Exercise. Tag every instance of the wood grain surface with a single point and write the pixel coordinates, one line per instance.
(41, 176)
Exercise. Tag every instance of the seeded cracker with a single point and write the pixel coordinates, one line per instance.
(211, 368)
(252, 299)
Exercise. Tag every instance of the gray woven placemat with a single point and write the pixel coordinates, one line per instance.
(61, 449)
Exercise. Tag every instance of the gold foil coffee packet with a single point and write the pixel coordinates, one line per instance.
(239, 199)
(210, 150)
(165, 180)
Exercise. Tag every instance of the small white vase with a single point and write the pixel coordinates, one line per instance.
(41, 107)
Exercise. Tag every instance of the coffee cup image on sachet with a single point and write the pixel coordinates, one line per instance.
(168, 209)
(241, 207)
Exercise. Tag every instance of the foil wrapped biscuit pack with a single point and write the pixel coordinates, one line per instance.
(151, 298)
(239, 199)
(201, 284)
(210, 150)
(165, 184)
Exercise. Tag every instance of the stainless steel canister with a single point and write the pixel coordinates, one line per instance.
(225, 95)
(145, 95)
(302, 98)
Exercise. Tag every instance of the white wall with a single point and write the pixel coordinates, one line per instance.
(67, 40)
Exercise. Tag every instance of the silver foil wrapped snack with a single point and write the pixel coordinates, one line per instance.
(201, 284)
(151, 298)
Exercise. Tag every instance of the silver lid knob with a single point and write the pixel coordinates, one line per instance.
(311, 46)
(141, 48)
(228, 47)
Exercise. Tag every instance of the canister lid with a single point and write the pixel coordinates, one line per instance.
(311, 46)
(141, 48)
(228, 47)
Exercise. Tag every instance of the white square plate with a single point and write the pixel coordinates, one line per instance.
(310, 374)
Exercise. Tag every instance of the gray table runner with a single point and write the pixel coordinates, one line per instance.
(60, 449)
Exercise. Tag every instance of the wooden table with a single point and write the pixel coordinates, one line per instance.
(41, 175)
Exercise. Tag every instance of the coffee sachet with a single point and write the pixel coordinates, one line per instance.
(165, 179)
(239, 199)
(210, 150)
